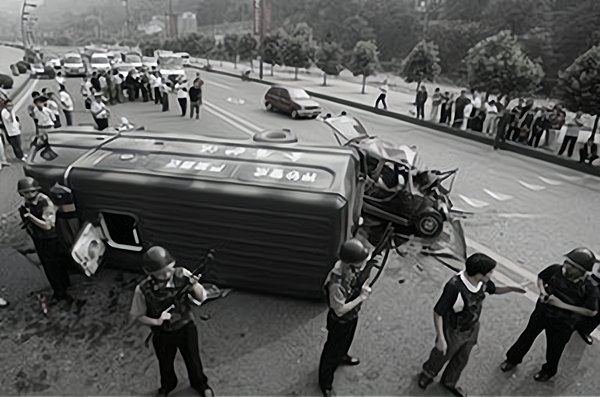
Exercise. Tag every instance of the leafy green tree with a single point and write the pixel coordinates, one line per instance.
(271, 48)
(247, 48)
(498, 64)
(422, 64)
(297, 53)
(579, 85)
(231, 45)
(329, 59)
(363, 61)
(204, 46)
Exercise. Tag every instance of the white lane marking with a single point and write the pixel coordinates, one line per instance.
(26, 95)
(521, 216)
(233, 117)
(535, 188)
(498, 196)
(219, 85)
(229, 121)
(507, 263)
(551, 182)
(473, 203)
(569, 177)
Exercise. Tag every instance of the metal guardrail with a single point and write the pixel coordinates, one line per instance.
(508, 146)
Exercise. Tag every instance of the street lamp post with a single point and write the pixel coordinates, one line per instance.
(24, 14)
(261, 36)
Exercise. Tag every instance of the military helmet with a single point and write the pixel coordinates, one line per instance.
(27, 184)
(353, 251)
(157, 258)
(583, 257)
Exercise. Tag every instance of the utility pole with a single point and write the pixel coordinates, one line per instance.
(261, 35)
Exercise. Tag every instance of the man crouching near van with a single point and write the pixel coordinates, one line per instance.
(171, 320)
(342, 317)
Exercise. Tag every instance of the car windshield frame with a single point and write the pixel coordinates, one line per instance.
(172, 62)
(298, 93)
(133, 58)
(73, 60)
(99, 60)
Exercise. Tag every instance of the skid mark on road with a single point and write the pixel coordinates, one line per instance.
(551, 182)
(498, 196)
(530, 186)
(473, 202)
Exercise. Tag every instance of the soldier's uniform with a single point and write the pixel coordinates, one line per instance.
(46, 241)
(339, 286)
(152, 297)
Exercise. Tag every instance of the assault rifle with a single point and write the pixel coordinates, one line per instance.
(373, 263)
(182, 294)
(25, 223)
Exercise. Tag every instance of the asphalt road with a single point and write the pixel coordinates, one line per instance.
(270, 346)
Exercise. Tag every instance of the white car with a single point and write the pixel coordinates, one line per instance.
(73, 65)
(54, 63)
(149, 62)
(100, 63)
(133, 59)
(171, 67)
(185, 56)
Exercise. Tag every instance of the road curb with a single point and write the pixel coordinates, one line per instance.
(481, 138)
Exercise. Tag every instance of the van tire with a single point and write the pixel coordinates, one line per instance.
(276, 136)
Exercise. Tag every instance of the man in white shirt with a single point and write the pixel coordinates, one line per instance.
(491, 114)
(60, 79)
(100, 112)
(182, 95)
(13, 129)
(52, 104)
(44, 116)
(157, 87)
(67, 104)
(574, 125)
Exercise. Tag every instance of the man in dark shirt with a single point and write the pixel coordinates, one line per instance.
(456, 319)
(587, 325)
(196, 97)
(342, 317)
(566, 294)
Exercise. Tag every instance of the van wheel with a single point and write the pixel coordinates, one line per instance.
(429, 224)
(269, 106)
(294, 114)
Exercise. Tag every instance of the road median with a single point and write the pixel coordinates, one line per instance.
(473, 136)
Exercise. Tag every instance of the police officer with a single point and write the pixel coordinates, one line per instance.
(566, 294)
(171, 321)
(342, 317)
(39, 217)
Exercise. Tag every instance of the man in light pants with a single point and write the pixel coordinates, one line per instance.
(491, 115)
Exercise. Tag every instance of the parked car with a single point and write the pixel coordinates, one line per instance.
(149, 62)
(100, 63)
(132, 58)
(186, 58)
(55, 63)
(73, 65)
(293, 101)
(41, 71)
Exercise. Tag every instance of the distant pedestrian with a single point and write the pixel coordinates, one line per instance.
(60, 79)
(420, 102)
(43, 114)
(165, 89)
(182, 96)
(572, 135)
(588, 152)
(436, 101)
(556, 120)
(566, 295)
(156, 85)
(13, 129)
(459, 109)
(67, 105)
(382, 95)
(95, 80)
(196, 98)
(118, 87)
(477, 114)
(87, 92)
(100, 112)
(31, 109)
(3, 160)
(52, 104)
(491, 117)
(446, 108)
(456, 319)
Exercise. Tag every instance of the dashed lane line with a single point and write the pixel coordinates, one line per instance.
(473, 202)
(551, 182)
(498, 196)
(530, 186)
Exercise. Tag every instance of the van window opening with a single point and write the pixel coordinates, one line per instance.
(121, 231)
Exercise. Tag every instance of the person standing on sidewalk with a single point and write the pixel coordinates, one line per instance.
(420, 102)
(13, 129)
(156, 85)
(491, 117)
(556, 120)
(196, 98)
(572, 135)
(67, 104)
(436, 101)
(446, 108)
(383, 94)
(100, 112)
(182, 96)
(45, 117)
(456, 319)
(587, 325)
(31, 110)
(87, 91)
(38, 214)
(566, 295)
(52, 104)
(165, 89)
(3, 160)
(342, 317)
(173, 329)
(459, 109)
(60, 79)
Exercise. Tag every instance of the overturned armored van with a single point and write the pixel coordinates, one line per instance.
(277, 212)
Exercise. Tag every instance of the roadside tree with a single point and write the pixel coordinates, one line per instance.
(247, 49)
(271, 49)
(204, 46)
(231, 46)
(363, 61)
(297, 53)
(329, 59)
(499, 65)
(579, 85)
(421, 64)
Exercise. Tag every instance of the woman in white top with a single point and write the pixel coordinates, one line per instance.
(13, 129)
(44, 116)
(100, 112)
(52, 104)
(67, 104)
(182, 96)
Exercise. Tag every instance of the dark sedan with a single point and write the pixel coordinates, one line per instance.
(293, 101)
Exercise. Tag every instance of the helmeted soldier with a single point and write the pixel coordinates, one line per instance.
(342, 317)
(566, 294)
(155, 304)
(38, 214)
(587, 325)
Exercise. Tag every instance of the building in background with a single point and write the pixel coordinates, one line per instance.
(186, 24)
